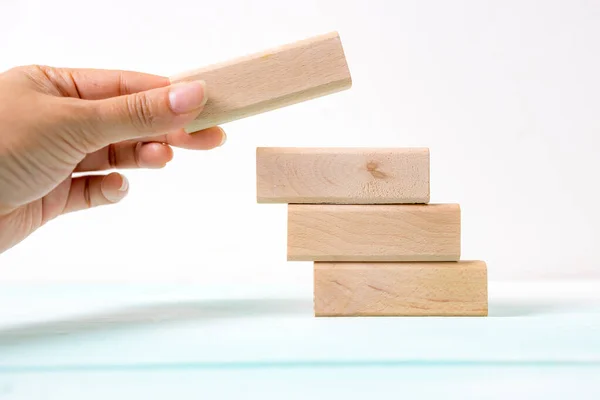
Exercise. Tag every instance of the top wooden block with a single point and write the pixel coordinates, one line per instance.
(342, 175)
(271, 79)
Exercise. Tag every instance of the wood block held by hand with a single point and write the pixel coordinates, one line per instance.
(382, 232)
(342, 175)
(401, 289)
(271, 79)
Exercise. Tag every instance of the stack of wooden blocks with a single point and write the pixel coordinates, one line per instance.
(363, 217)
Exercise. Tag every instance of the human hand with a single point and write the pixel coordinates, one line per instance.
(55, 122)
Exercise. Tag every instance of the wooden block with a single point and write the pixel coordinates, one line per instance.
(382, 232)
(401, 289)
(342, 175)
(271, 79)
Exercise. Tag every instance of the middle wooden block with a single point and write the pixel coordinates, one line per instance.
(382, 232)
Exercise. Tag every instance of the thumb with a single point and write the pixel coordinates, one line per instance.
(147, 113)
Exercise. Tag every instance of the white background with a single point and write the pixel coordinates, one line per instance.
(506, 94)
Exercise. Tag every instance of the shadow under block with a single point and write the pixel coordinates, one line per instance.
(342, 175)
(401, 289)
(271, 79)
(381, 232)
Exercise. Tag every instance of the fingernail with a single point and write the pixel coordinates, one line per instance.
(113, 195)
(223, 138)
(124, 184)
(186, 97)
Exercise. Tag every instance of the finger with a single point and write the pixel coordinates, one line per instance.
(149, 113)
(95, 84)
(96, 190)
(205, 139)
(150, 152)
(126, 155)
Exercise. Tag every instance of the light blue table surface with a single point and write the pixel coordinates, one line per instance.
(159, 341)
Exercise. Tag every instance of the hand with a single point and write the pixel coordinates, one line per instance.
(55, 122)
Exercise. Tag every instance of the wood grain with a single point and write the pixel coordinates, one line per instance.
(342, 175)
(270, 79)
(401, 289)
(399, 232)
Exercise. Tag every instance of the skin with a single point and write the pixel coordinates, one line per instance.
(62, 131)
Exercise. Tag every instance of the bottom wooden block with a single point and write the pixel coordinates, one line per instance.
(401, 289)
